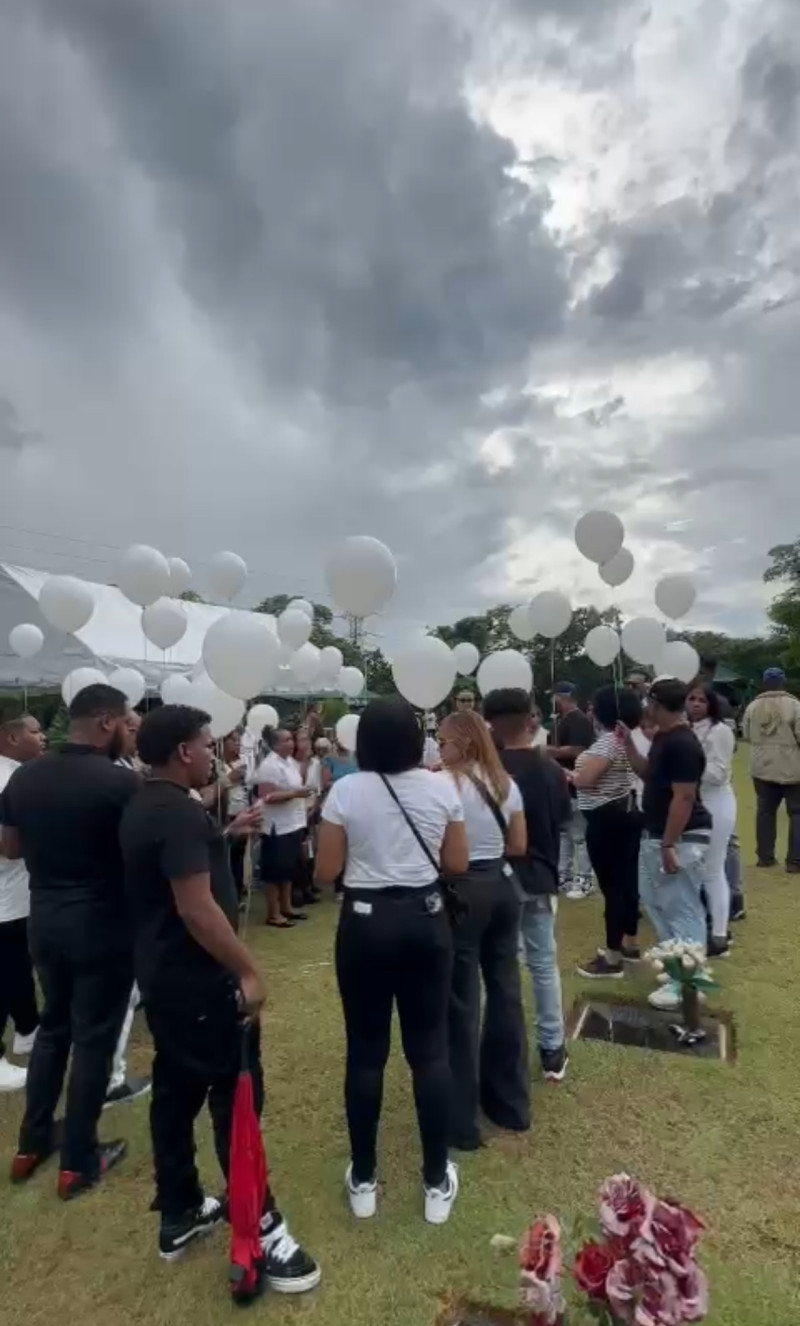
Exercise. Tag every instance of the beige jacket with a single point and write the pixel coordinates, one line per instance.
(772, 726)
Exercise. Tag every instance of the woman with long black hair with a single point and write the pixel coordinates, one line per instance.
(394, 828)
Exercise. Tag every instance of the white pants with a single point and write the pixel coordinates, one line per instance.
(119, 1068)
(721, 805)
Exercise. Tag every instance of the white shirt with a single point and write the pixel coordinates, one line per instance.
(719, 744)
(539, 738)
(237, 792)
(642, 744)
(284, 816)
(483, 832)
(15, 902)
(430, 753)
(381, 849)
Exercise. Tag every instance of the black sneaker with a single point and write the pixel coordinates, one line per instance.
(766, 865)
(631, 952)
(554, 1063)
(718, 948)
(288, 1268)
(599, 968)
(176, 1235)
(131, 1089)
(739, 912)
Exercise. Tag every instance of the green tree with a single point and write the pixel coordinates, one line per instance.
(371, 661)
(784, 611)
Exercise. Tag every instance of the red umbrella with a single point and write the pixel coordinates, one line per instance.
(247, 1187)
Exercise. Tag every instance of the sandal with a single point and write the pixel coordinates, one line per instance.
(284, 924)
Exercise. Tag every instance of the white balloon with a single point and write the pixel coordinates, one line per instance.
(643, 639)
(66, 602)
(351, 682)
(361, 575)
(131, 682)
(261, 716)
(331, 660)
(78, 680)
(467, 658)
(305, 663)
(599, 535)
(227, 572)
(520, 623)
(164, 622)
(347, 731)
(180, 575)
(550, 613)
(25, 639)
(678, 659)
(424, 671)
(675, 596)
(143, 574)
(176, 689)
(602, 644)
(618, 569)
(505, 668)
(284, 654)
(225, 711)
(294, 627)
(302, 605)
(240, 654)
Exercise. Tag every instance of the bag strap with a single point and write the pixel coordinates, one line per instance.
(412, 826)
(490, 801)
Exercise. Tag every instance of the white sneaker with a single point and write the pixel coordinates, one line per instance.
(363, 1197)
(582, 887)
(666, 996)
(24, 1044)
(439, 1201)
(12, 1078)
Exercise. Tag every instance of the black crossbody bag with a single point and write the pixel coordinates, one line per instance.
(454, 906)
(494, 806)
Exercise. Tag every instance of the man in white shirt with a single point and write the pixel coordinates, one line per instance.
(21, 739)
(284, 799)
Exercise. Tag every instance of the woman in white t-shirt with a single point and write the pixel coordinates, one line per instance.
(719, 798)
(283, 826)
(392, 828)
(488, 1066)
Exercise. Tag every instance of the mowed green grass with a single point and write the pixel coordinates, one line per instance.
(725, 1138)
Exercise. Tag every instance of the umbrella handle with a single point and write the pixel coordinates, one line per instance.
(246, 1030)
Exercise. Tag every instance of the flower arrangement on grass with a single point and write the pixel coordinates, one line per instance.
(638, 1269)
(686, 966)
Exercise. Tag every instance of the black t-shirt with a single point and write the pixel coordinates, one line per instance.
(167, 835)
(545, 799)
(66, 807)
(675, 757)
(573, 729)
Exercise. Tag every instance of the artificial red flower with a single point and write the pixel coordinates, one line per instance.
(623, 1283)
(693, 1289)
(540, 1249)
(623, 1206)
(668, 1237)
(591, 1268)
(659, 1302)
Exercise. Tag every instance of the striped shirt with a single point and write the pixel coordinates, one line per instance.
(617, 780)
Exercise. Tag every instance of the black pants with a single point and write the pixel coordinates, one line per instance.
(237, 849)
(395, 944)
(613, 835)
(197, 1036)
(489, 1069)
(86, 983)
(17, 990)
(769, 797)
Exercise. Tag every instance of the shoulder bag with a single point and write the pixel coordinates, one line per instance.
(494, 806)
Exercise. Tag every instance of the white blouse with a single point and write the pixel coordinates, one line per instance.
(719, 744)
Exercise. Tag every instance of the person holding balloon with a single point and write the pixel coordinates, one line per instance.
(573, 733)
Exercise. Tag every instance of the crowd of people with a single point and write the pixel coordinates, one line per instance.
(130, 854)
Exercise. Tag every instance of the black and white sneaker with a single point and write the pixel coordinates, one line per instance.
(718, 948)
(554, 1063)
(176, 1235)
(288, 1268)
(601, 968)
(131, 1089)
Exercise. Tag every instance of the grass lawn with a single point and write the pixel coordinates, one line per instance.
(725, 1138)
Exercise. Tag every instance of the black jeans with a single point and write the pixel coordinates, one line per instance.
(613, 834)
(198, 1040)
(86, 982)
(17, 990)
(395, 944)
(769, 797)
(237, 850)
(488, 1068)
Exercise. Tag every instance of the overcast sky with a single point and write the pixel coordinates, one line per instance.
(440, 271)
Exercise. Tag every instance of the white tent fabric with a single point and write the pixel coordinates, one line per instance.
(113, 637)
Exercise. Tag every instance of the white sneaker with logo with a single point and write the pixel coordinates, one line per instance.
(666, 996)
(24, 1044)
(12, 1078)
(439, 1201)
(363, 1197)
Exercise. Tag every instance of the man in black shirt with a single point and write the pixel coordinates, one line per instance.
(677, 826)
(62, 814)
(545, 799)
(199, 984)
(572, 733)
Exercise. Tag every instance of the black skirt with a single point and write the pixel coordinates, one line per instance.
(282, 857)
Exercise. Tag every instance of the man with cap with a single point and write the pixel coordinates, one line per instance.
(772, 726)
(572, 733)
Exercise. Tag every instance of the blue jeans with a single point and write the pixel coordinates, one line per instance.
(538, 931)
(673, 902)
(572, 846)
